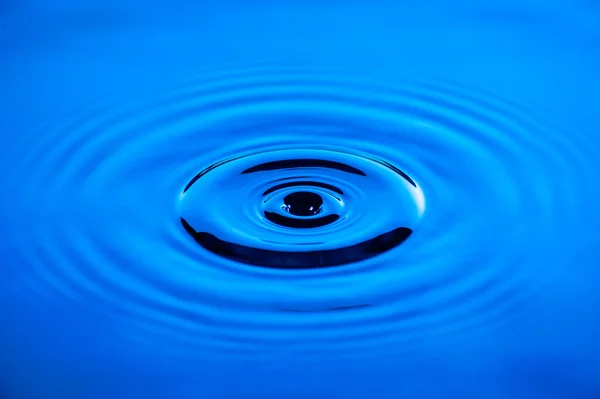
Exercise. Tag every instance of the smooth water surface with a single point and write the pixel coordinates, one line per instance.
(300, 199)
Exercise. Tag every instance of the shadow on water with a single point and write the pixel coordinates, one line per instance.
(299, 259)
(304, 163)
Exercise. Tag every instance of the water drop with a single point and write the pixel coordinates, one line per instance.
(303, 203)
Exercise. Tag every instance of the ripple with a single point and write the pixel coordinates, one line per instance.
(342, 211)
(247, 163)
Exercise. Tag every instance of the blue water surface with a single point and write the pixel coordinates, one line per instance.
(300, 199)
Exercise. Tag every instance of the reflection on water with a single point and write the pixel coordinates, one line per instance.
(441, 156)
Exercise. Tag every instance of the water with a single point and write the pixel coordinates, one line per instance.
(307, 199)
(266, 199)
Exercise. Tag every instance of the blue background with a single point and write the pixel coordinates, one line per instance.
(103, 296)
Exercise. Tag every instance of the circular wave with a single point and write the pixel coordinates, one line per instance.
(263, 166)
(256, 208)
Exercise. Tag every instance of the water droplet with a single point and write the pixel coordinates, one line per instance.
(303, 203)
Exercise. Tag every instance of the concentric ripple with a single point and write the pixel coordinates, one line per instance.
(293, 168)
(271, 197)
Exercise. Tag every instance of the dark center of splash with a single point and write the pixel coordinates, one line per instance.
(303, 203)
(300, 208)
